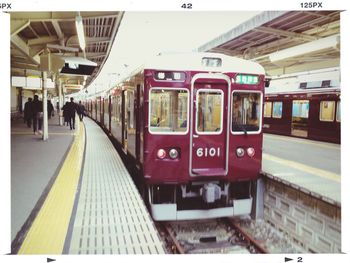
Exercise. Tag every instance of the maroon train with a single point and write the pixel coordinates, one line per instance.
(312, 114)
(192, 124)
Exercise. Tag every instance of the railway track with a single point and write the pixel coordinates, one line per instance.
(208, 236)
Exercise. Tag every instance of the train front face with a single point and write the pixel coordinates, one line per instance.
(202, 143)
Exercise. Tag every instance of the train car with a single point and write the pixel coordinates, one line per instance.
(192, 123)
(312, 114)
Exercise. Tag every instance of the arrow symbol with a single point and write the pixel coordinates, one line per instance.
(287, 259)
(50, 260)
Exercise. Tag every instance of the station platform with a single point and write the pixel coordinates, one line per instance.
(89, 204)
(310, 166)
(34, 165)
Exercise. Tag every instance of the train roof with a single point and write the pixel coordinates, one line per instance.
(196, 62)
(302, 91)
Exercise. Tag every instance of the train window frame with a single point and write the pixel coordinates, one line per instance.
(338, 111)
(260, 112)
(222, 115)
(149, 112)
(273, 107)
(321, 108)
(270, 115)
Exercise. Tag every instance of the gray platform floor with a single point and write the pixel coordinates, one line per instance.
(33, 163)
(312, 165)
(110, 217)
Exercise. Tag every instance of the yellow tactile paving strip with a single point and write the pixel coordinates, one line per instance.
(304, 168)
(31, 133)
(49, 229)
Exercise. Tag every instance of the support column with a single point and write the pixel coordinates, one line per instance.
(45, 117)
(258, 204)
(60, 103)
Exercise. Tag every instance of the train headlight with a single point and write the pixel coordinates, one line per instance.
(250, 151)
(240, 152)
(161, 75)
(173, 153)
(161, 153)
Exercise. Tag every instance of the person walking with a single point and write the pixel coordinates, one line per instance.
(28, 112)
(81, 110)
(37, 114)
(49, 108)
(72, 108)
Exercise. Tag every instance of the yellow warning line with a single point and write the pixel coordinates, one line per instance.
(303, 167)
(49, 229)
(31, 133)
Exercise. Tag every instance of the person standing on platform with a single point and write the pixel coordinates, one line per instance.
(65, 113)
(28, 112)
(37, 114)
(49, 108)
(81, 110)
(72, 108)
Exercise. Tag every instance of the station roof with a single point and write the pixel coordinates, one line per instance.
(36, 33)
(284, 42)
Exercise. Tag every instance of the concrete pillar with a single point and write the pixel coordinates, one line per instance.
(258, 204)
(45, 117)
(60, 103)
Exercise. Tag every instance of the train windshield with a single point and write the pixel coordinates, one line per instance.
(246, 107)
(168, 111)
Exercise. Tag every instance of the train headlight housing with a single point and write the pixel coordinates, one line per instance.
(161, 153)
(240, 152)
(250, 151)
(173, 153)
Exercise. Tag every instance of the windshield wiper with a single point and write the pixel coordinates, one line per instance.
(241, 127)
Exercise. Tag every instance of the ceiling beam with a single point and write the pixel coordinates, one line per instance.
(59, 32)
(45, 26)
(34, 32)
(18, 25)
(20, 45)
(18, 65)
(63, 48)
(285, 33)
(320, 30)
(80, 54)
(36, 50)
(42, 40)
(73, 40)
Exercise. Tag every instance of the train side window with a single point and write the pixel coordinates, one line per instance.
(246, 111)
(327, 109)
(168, 111)
(300, 109)
(209, 111)
(338, 111)
(267, 109)
(277, 109)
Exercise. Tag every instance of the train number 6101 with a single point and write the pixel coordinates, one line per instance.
(211, 152)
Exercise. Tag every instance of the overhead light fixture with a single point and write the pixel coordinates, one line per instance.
(303, 49)
(80, 31)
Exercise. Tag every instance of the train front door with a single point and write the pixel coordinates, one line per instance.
(209, 125)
